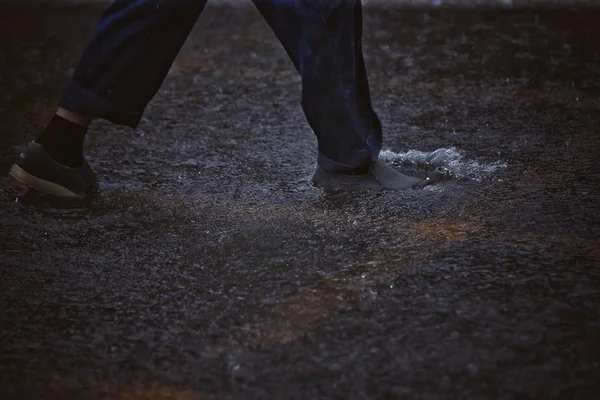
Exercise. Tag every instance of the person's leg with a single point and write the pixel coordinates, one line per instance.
(121, 69)
(323, 39)
(128, 58)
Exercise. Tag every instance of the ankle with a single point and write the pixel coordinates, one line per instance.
(75, 117)
(63, 140)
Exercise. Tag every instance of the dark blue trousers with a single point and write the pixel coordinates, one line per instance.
(136, 41)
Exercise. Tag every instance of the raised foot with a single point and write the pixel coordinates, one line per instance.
(38, 171)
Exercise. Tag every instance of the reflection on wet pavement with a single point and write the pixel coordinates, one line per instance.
(209, 267)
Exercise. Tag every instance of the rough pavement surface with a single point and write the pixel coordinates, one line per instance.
(209, 268)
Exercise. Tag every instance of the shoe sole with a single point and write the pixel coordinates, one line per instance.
(42, 185)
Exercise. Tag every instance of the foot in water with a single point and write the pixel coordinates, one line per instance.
(380, 176)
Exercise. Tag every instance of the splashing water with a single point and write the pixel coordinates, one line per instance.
(450, 162)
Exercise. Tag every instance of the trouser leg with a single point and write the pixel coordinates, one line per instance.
(128, 58)
(323, 39)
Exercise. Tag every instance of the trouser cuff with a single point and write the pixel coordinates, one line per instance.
(358, 164)
(78, 99)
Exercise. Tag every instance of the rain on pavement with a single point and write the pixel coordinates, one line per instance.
(209, 268)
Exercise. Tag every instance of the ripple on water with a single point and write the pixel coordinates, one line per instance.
(450, 162)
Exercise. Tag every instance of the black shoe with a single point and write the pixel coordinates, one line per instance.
(37, 170)
(380, 176)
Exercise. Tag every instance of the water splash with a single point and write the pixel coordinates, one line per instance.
(449, 162)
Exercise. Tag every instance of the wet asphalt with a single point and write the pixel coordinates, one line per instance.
(209, 268)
